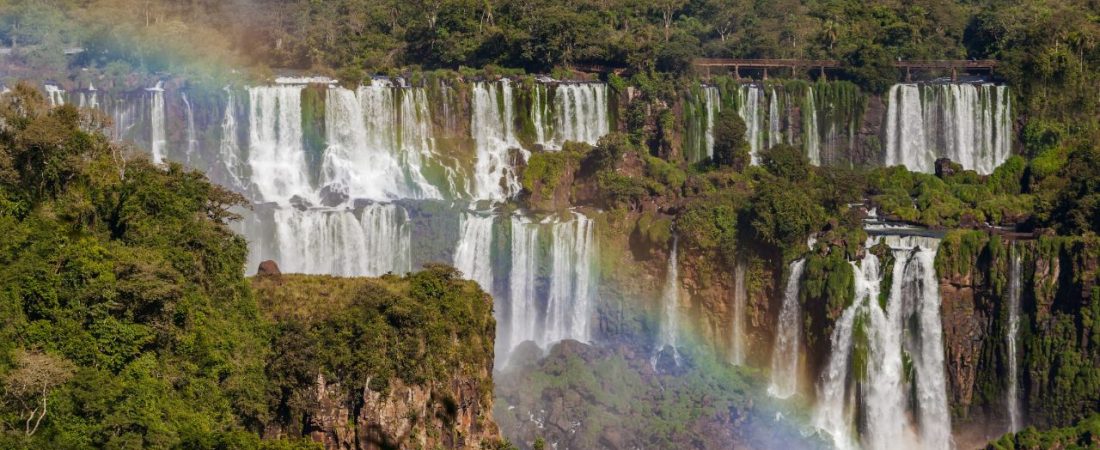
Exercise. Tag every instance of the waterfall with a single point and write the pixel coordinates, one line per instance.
(811, 137)
(893, 352)
(55, 95)
(740, 301)
(192, 142)
(670, 298)
(369, 241)
(836, 406)
(581, 112)
(750, 112)
(524, 304)
(786, 352)
(377, 139)
(570, 297)
(492, 126)
(969, 124)
(539, 115)
(473, 255)
(229, 148)
(1012, 393)
(569, 307)
(713, 105)
(775, 134)
(276, 154)
(91, 100)
(157, 140)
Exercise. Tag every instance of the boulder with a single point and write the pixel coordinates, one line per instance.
(268, 268)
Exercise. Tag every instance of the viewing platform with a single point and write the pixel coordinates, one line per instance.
(954, 65)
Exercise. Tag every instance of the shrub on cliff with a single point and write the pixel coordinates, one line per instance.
(730, 147)
(786, 162)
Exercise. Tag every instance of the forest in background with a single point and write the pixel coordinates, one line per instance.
(172, 351)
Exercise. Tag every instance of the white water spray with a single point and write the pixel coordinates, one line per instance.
(786, 353)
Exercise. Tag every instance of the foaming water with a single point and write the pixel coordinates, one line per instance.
(276, 155)
(378, 137)
(492, 124)
(367, 241)
(565, 310)
(473, 254)
(886, 368)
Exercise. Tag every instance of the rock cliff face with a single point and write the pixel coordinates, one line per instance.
(450, 415)
(1058, 344)
(389, 363)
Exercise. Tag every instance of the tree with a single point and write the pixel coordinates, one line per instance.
(36, 375)
(730, 147)
(787, 162)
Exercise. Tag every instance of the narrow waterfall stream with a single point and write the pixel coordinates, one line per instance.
(786, 352)
(1012, 394)
(192, 140)
(740, 303)
(670, 301)
(713, 105)
(157, 140)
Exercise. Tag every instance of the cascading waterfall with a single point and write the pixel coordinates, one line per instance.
(894, 352)
(740, 302)
(836, 403)
(276, 155)
(192, 142)
(569, 306)
(157, 140)
(1012, 394)
(750, 112)
(581, 112)
(368, 241)
(786, 352)
(473, 254)
(967, 123)
(377, 139)
(524, 303)
(492, 123)
(570, 298)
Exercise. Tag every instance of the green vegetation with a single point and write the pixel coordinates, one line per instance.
(425, 329)
(1086, 434)
(126, 322)
(730, 146)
